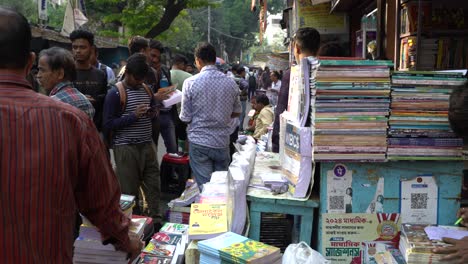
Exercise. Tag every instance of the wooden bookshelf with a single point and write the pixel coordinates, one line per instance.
(441, 42)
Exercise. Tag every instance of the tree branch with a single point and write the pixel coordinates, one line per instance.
(171, 11)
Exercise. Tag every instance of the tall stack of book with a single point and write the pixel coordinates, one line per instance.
(419, 126)
(416, 247)
(233, 248)
(351, 110)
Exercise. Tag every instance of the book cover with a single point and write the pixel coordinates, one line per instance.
(173, 228)
(158, 249)
(238, 249)
(207, 220)
(297, 162)
(165, 238)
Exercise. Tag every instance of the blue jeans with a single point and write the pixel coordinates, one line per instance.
(242, 115)
(205, 160)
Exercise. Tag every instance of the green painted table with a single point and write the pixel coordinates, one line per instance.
(302, 209)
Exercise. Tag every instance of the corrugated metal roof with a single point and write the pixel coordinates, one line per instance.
(53, 35)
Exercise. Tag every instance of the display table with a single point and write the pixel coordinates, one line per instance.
(303, 209)
(261, 200)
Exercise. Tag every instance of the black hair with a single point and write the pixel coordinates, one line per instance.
(458, 112)
(180, 59)
(59, 58)
(308, 39)
(277, 74)
(136, 44)
(267, 69)
(331, 50)
(262, 99)
(15, 39)
(240, 69)
(155, 44)
(82, 34)
(206, 52)
(137, 66)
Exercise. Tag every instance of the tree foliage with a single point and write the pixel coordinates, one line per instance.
(148, 18)
(239, 25)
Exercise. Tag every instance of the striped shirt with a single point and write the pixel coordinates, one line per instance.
(127, 128)
(52, 164)
(65, 92)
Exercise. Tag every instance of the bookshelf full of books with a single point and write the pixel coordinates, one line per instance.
(441, 42)
(419, 125)
(350, 109)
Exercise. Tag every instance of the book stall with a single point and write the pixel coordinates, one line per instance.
(394, 167)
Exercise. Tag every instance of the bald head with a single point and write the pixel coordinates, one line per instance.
(15, 40)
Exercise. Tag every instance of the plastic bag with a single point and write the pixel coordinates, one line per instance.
(302, 254)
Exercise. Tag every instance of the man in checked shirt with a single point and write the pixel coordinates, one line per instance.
(52, 165)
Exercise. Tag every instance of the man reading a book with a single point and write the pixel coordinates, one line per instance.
(458, 117)
(53, 165)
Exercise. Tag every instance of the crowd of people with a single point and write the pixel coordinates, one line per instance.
(61, 143)
(55, 159)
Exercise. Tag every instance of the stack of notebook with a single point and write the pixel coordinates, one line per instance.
(416, 247)
(419, 126)
(350, 110)
(234, 248)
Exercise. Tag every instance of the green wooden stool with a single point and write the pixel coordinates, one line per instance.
(303, 209)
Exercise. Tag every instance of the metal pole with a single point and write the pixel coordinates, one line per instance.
(209, 24)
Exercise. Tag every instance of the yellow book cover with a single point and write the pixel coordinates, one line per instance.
(207, 220)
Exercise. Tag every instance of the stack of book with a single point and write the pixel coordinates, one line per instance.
(419, 126)
(88, 247)
(416, 247)
(179, 215)
(351, 108)
(233, 248)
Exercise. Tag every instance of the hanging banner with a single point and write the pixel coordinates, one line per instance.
(68, 21)
(319, 17)
(80, 18)
(344, 234)
(42, 8)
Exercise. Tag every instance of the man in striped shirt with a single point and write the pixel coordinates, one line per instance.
(56, 73)
(52, 164)
(128, 114)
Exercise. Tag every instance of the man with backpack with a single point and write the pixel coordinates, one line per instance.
(252, 85)
(130, 109)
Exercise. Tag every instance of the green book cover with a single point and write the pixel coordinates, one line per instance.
(247, 251)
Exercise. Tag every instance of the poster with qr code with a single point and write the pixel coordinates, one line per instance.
(339, 190)
(419, 200)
